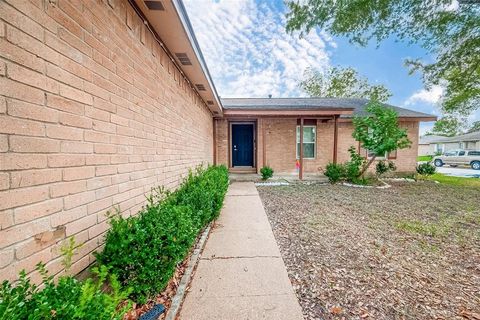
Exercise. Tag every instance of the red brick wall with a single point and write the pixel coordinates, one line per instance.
(280, 145)
(92, 115)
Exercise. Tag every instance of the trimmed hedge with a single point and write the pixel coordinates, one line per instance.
(144, 250)
(66, 298)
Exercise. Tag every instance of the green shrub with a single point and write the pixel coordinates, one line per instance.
(335, 172)
(143, 250)
(354, 165)
(67, 299)
(349, 171)
(383, 167)
(266, 172)
(426, 169)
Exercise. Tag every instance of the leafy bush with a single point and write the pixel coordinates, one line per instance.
(266, 172)
(68, 299)
(354, 166)
(335, 172)
(426, 169)
(143, 250)
(349, 171)
(383, 167)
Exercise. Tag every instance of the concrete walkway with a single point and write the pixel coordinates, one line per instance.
(241, 274)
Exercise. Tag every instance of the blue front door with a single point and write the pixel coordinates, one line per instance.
(242, 145)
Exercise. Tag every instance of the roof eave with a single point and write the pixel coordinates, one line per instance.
(292, 112)
(183, 16)
(403, 118)
(172, 29)
(419, 119)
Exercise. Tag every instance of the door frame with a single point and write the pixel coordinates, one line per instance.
(230, 141)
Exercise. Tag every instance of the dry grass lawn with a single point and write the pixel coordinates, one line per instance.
(408, 252)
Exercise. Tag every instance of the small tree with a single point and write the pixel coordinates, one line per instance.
(379, 133)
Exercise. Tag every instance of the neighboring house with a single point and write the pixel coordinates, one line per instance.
(467, 141)
(427, 145)
(265, 131)
(102, 100)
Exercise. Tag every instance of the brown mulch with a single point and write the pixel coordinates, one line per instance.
(408, 252)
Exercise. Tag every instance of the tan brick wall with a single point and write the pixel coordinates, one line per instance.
(92, 114)
(222, 141)
(280, 145)
(406, 160)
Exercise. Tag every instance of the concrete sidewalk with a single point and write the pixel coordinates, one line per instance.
(241, 274)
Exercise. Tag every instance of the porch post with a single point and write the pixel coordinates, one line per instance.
(335, 138)
(300, 171)
(264, 143)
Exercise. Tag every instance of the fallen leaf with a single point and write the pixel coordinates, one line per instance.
(335, 310)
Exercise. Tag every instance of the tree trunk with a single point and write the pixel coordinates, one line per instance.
(365, 167)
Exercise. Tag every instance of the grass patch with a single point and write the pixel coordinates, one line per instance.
(462, 226)
(439, 229)
(455, 181)
(424, 158)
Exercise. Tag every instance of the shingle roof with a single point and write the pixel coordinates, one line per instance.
(288, 103)
(472, 136)
(430, 139)
(358, 105)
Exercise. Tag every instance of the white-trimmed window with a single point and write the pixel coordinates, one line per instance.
(309, 142)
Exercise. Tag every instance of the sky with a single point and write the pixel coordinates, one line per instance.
(249, 54)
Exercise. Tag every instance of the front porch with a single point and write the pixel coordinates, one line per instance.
(246, 142)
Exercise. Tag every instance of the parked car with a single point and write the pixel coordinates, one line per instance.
(459, 157)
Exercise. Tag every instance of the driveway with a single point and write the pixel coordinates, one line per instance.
(459, 171)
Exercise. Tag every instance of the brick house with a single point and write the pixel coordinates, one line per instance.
(101, 100)
(432, 145)
(255, 132)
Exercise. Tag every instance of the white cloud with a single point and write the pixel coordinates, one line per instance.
(431, 96)
(453, 6)
(425, 101)
(475, 116)
(247, 50)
